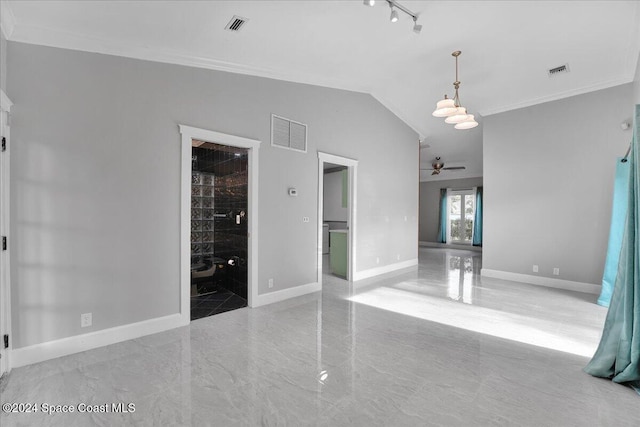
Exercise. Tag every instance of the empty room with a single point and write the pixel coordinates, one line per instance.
(338, 213)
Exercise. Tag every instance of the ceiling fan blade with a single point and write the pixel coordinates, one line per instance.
(454, 168)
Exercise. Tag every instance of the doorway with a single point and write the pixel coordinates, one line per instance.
(461, 207)
(336, 215)
(218, 226)
(5, 279)
(219, 200)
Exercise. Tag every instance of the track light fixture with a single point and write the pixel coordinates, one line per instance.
(395, 6)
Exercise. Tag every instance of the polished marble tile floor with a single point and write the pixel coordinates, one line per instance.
(219, 301)
(382, 354)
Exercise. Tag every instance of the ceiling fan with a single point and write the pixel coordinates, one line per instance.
(439, 166)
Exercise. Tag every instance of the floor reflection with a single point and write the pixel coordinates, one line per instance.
(461, 277)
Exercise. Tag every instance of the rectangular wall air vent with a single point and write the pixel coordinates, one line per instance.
(558, 70)
(236, 23)
(289, 134)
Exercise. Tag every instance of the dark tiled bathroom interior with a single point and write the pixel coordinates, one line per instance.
(219, 200)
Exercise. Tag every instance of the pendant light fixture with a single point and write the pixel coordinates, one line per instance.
(452, 109)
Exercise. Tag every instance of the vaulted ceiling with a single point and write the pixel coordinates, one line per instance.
(508, 48)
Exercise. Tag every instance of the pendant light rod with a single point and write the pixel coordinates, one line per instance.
(456, 84)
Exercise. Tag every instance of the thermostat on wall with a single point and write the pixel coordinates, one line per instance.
(293, 192)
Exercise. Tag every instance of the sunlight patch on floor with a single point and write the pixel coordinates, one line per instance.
(567, 338)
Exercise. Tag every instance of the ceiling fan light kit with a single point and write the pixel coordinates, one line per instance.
(452, 109)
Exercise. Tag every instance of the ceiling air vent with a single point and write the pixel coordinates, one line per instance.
(563, 69)
(236, 23)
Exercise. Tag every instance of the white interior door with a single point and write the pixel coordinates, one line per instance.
(5, 292)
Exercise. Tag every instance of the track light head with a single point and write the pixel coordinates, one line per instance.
(416, 27)
(394, 15)
(369, 2)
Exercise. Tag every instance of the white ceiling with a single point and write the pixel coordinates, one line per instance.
(507, 46)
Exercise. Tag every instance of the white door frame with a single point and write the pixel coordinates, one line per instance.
(5, 273)
(252, 145)
(352, 167)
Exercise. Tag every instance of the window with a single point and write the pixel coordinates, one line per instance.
(461, 210)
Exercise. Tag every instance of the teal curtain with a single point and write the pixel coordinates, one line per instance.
(616, 231)
(618, 355)
(477, 220)
(442, 222)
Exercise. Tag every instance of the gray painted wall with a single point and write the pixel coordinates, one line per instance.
(430, 204)
(332, 198)
(96, 182)
(636, 84)
(548, 182)
(3, 62)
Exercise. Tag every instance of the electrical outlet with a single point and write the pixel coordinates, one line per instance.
(305, 219)
(535, 268)
(377, 260)
(556, 271)
(398, 257)
(270, 283)
(85, 320)
(405, 218)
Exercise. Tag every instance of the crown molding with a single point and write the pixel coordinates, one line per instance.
(558, 96)
(633, 47)
(66, 40)
(37, 35)
(7, 19)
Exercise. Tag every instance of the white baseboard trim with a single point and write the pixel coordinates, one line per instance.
(372, 272)
(549, 282)
(450, 246)
(285, 294)
(52, 349)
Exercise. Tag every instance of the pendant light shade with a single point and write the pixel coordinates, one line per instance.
(470, 123)
(458, 117)
(445, 108)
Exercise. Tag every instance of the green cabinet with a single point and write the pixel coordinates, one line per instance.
(338, 252)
